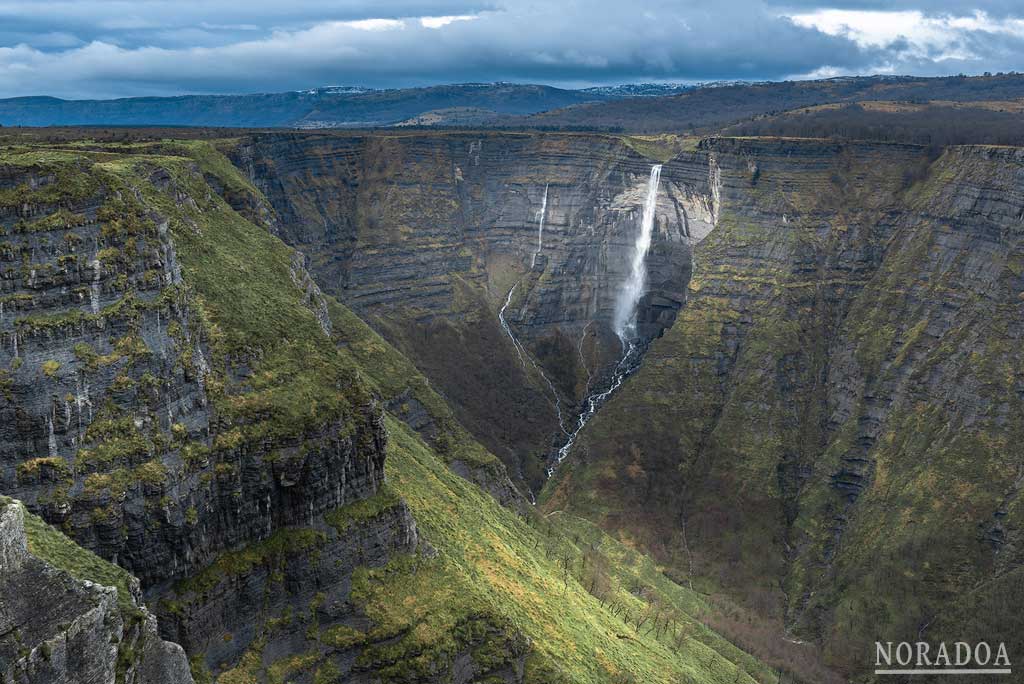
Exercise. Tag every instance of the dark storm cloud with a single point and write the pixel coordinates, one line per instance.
(86, 48)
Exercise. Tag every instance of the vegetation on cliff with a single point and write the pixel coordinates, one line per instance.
(825, 431)
(544, 599)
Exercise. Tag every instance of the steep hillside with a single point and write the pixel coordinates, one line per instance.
(706, 110)
(630, 108)
(827, 429)
(937, 123)
(146, 409)
(318, 108)
(232, 455)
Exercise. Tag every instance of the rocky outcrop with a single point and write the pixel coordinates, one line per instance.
(285, 592)
(55, 628)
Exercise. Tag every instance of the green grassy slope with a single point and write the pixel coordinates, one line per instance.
(578, 606)
(50, 545)
(532, 572)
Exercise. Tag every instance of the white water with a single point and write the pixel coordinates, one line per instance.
(94, 290)
(622, 370)
(540, 226)
(524, 355)
(624, 322)
(583, 358)
(507, 329)
(51, 437)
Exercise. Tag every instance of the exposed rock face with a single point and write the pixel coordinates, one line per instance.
(834, 408)
(180, 400)
(105, 424)
(56, 629)
(388, 220)
(424, 235)
(283, 593)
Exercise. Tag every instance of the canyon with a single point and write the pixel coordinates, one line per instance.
(305, 386)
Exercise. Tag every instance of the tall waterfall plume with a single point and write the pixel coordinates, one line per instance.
(624, 322)
(625, 308)
(540, 226)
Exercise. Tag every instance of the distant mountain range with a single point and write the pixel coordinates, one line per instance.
(327, 107)
(636, 108)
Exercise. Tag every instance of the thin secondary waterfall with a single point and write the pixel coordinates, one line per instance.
(624, 321)
(94, 290)
(51, 439)
(540, 226)
(524, 355)
(625, 307)
(507, 329)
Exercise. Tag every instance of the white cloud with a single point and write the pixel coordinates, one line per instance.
(102, 48)
(912, 33)
(374, 24)
(438, 22)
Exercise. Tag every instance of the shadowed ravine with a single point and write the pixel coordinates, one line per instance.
(625, 323)
(297, 385)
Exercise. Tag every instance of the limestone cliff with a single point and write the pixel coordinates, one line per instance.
(58, 626)
(125, 419)
(425, 235)
(827, 428)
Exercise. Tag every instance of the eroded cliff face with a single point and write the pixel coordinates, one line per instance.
(256, 512)
(287, 595)
(57, 628)
(425, 236)
(108, 426)
(827, 426)
(171, 402)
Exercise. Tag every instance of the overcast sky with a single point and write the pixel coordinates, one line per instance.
(93, 48)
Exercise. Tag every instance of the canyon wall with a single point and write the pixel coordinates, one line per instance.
(827, 429)
(170, 404)
(823, 426)
(425, 235)
(108, 428)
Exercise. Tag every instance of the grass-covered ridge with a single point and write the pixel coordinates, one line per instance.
(533, 573)
(241, 280)
(51, 546)
(580, 607)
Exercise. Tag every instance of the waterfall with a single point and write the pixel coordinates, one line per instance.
(507, 329)
(524, 355)
(94, 290)
(623, 369)
(51, 437)
(624, 322)
(583, 358)
(540, 226)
